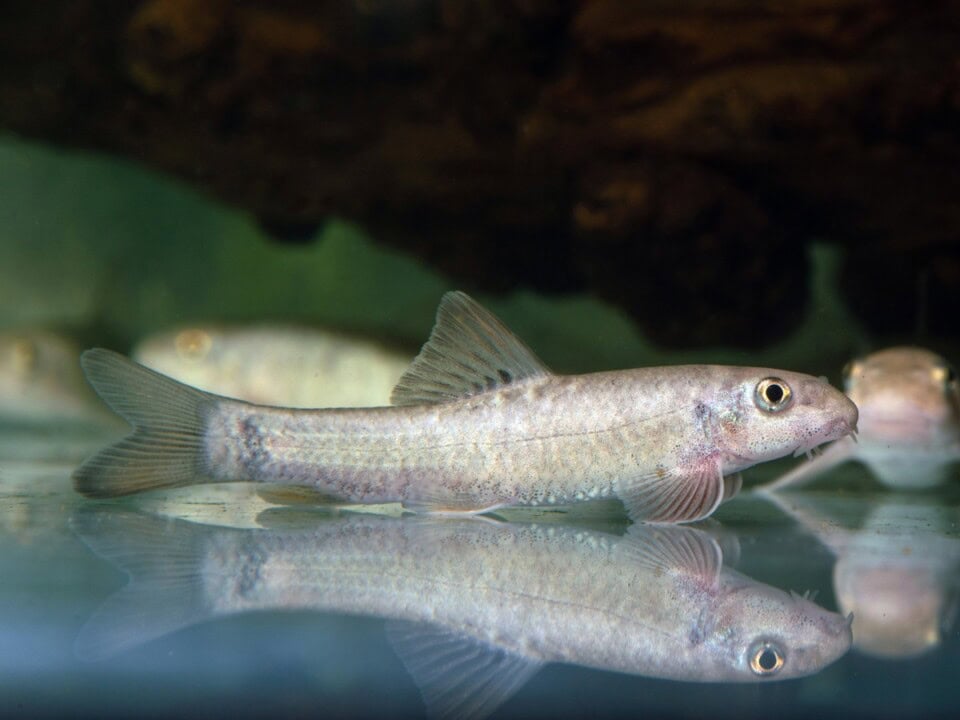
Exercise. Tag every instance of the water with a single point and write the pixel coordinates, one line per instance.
(58, 574)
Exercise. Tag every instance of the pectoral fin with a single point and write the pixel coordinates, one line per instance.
(676, 495)
(674, 550)
(459, 676)
(732, 484)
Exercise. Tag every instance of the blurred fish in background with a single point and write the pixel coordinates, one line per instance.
(282, 366)
(909, 425)
(48, 413)
(897, 570)
(41, 381)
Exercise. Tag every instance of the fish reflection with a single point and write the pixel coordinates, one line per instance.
(909, 426)
(283, 366)
(896, 571)
(475, 605)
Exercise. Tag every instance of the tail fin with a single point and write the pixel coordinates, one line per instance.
(165, 449)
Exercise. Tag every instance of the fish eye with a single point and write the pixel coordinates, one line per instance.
(766, 659)
(945, 375)
(850, 370)
(192, 344)
(772, 394)
(24, 354)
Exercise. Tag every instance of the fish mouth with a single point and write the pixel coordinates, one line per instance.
(834, 430)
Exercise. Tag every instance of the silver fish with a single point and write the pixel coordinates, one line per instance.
(896, 571)
(284, 366)
(909, 427)
(478, 423)
(476, 606)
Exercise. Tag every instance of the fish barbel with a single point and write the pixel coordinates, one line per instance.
(909, 427)
(478, 423)
(475, 606)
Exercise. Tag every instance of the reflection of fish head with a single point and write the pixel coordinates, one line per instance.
(906, 395)
(897, 606)
(777, 412)
(762, 632)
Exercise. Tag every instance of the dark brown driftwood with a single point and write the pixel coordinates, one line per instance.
(672, 156)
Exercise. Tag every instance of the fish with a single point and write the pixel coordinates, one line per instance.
(896, 570)
(40, 382)
(477, 423)
(284, 366)
(474, 606)
(909, 428)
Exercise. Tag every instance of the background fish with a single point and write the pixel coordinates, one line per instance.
(476, 606)
(283, 366)
(40, 381)
(896, 570)
(478, 423)
(909, 427)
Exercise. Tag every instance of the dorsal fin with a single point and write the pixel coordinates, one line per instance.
(459, 676)
(469, 352)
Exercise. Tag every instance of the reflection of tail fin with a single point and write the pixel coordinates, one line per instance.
(164, 593)
(165, 448)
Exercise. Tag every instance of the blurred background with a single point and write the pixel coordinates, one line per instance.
(624, 182)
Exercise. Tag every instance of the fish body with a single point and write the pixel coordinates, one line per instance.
(477, 606)
(281, 366)
(909, 421)
(478, 423)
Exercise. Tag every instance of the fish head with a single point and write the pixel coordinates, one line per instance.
(899, 606)
(759, 633)
(40, 377)
(906, 396)
(771, 413)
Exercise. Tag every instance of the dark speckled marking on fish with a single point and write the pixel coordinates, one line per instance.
(478, 422)
(255, 456)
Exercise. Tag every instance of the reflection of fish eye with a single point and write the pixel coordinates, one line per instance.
(765, 658)
(773, 394)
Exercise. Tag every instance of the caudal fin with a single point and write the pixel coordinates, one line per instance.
(165, 449)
